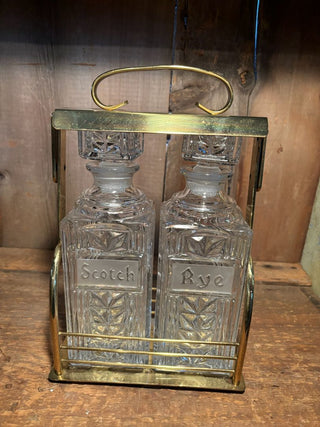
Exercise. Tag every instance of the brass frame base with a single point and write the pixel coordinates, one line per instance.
(149, 378)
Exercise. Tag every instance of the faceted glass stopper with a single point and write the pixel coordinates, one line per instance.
(102, 145)
(220, 149)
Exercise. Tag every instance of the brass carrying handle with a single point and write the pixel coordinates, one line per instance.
(106, 74)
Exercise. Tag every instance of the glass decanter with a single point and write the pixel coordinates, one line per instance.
(107, 252)
(204, 248)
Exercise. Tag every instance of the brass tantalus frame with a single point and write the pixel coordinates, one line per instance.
(151, 374)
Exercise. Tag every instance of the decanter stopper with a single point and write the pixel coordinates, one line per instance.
(212, 148)
(102, 145)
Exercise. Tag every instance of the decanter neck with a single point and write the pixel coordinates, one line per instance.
(205, 180)
(112, 176)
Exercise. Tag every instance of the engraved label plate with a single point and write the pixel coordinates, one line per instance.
(206, 278)
(109, 272)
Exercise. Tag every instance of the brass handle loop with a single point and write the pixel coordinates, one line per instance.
(106, 74)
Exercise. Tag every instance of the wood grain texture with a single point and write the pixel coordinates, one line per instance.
(93, 37)
(210, 35)
(311, 251)
(281, 369)
(219, 36)
(16, 259)
(288, 94)
(50, 53)
(280, 272)
(27, 193)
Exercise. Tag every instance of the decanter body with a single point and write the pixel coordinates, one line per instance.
(107, 249)
(204, 247)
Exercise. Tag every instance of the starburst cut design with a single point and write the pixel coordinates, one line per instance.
(205, 245)
(197, 318)
(108, 312)
(107, 240)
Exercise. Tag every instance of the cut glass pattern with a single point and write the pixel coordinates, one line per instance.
(220, 149)
(102, 145)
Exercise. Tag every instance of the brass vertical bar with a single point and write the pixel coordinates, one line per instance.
(255, 183)
(61, 175)
(54, 152)
(262, 152)
(240, 359)
(54, 322)
(151, 348)
(58, 146)
(255, 180)
(244, 334)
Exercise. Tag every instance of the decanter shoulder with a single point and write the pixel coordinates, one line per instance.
(93, 201)
(105, 209)
(220, 210)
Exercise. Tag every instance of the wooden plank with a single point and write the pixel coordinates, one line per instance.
(91, 38)
(219, 36)
(311, 251)
(287, 92)
(209, 35)
(56, 52)
(16, 259)
(280, 366)
(50, 56)
(27, 193)
(280, 272)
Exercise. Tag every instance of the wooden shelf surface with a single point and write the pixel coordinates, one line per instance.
(281, 368)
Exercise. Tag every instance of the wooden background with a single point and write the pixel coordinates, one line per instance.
(51, 52)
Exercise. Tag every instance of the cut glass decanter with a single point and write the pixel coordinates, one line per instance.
(107, 250)
(204, 248)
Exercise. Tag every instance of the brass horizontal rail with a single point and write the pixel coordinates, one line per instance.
(155, 123)
(153, 353)
(147, 366)
(164, 340)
